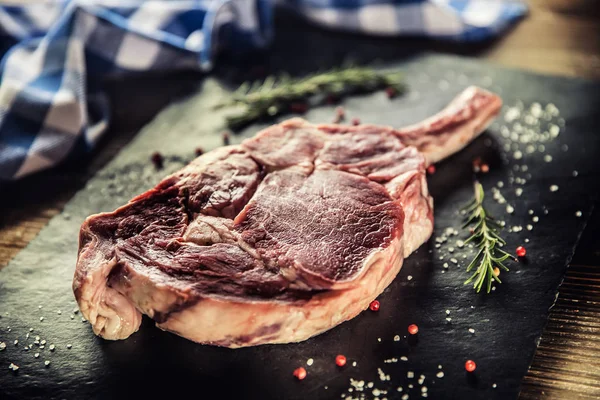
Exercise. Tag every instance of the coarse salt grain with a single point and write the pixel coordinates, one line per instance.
(471, 330)
(553, 188)
(397, 338)
(409, 277)
(404, 358)
(410, 374)
(535, 218)
(440, 374)
(448, 312)
(578, 214)
(309, 362)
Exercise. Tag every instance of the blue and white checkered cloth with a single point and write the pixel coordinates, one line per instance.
(56, 53)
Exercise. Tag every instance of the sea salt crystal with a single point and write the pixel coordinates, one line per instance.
(448, 319)
(517, 155)
(445, 265)
(404, 358)
(409, 277)
(578, 214)
(471, 330)
(510, 209)
(535, 218)
(447, 312)
(548, 158)
(553, 188)
(512, 114)
(440, 374)
(410, 374)
(519, 191)
(575, 173)
(454, 260)
(310, 362)
(529, 227)
(397, 338)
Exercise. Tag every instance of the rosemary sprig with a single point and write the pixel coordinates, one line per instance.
(275, 96)
(485, 236)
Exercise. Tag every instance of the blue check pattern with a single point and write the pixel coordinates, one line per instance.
(55, 54)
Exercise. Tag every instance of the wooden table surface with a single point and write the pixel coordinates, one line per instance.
(559, 37)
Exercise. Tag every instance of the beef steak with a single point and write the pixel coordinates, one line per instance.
(275, 240)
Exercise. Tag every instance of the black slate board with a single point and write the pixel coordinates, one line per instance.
(507, 323)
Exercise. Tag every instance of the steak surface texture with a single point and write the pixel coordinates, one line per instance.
(274, 240)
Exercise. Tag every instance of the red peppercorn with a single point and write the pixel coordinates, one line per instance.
(300, 373)
(485, 168)
(374, 306)
(431, 169)
(299, 108)
(340, 360)
(199, 151)
(391, 92)
(355, 121)
(413, 329)
(521, 251)
(157, 159)
(470, 365)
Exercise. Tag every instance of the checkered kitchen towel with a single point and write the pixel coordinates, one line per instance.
(55, 53)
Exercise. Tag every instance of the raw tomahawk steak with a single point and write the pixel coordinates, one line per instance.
(274, 240)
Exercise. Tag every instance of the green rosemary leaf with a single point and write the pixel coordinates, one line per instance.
(485, 234)
(275, 95)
